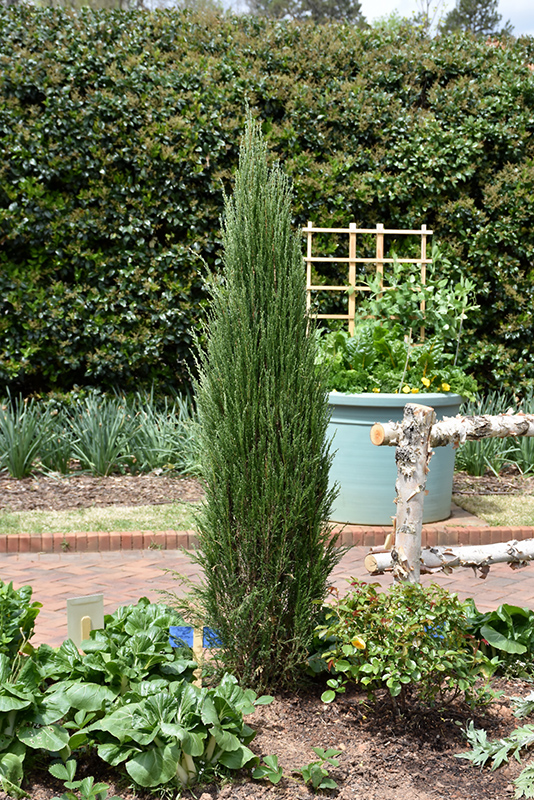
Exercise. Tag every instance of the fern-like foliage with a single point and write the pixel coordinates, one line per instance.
(499, 752)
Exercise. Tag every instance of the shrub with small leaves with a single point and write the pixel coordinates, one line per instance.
(410, 638)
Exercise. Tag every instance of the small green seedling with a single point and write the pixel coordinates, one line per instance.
(269, 770)
(88, 789)
(316, 774)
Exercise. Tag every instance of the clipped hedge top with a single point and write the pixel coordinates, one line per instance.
(119, 131)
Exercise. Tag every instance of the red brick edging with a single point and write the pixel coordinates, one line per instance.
(432, 535)
(98, 542)
(350, 535)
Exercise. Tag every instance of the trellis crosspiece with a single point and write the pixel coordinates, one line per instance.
(414, 438)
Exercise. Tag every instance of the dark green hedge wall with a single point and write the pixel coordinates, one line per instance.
(118, 131)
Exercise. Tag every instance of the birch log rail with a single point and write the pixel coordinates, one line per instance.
(457, 430)
(414, 438)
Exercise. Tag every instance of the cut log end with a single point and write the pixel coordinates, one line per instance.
(377, 434)
(371, 564)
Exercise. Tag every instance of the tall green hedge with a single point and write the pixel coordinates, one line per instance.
(118, 131)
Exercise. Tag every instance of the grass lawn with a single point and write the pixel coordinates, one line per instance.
(170, 516)
(499, 510)
(495, 509)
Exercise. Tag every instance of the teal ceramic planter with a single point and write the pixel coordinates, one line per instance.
(366, 474)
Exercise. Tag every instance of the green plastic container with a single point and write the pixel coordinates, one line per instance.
(366, 474)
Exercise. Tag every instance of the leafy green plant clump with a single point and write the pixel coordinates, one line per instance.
(506, 634)
(129, 699)
(104, 433)
(17, 618)
(388, 353)
(499, 752)
(411, 639)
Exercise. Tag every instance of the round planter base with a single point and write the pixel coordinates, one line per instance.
(366, 474)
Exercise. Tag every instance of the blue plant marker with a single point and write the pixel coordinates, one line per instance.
(180, 635)
(211, 638)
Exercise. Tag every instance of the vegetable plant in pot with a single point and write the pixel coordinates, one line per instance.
(405, 348)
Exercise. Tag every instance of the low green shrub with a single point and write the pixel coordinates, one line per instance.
(411, 638)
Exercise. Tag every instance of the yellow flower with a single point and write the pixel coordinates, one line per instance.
(445, 387)
(376, 389)
(414, 391)
(406, 389)
(358, 643)
(425, 382)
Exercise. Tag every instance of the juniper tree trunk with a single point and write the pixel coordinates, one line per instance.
(263, 543)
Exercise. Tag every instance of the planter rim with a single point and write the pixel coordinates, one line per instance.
(392, 399)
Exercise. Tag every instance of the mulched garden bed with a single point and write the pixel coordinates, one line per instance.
(382, 758)
(57, 492)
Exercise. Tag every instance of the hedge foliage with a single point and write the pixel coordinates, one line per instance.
(118, 131)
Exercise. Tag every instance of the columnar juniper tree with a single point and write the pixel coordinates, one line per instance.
(263, 541)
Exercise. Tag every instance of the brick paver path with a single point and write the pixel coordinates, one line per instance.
(124, 577)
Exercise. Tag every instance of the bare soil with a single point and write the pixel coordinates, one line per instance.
(61, 492)
(382, 758)
(510, 481)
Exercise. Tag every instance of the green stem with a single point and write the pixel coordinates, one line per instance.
(458, 340)
(408, 351)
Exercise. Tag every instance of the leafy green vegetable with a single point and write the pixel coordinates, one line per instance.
(385, 353)
(129, 697)
(506, 633)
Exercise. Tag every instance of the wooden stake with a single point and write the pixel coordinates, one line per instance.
(352, 276)
(380, 251)
(423, 276)
(308, 266)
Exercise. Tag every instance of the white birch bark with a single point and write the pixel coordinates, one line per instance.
(412, 456)
(480, 557)
(457, 430)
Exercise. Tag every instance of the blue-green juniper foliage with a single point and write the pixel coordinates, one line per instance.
(264, 545)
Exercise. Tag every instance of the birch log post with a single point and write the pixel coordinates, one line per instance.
(412, 456)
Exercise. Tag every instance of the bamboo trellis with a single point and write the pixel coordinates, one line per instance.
(352, 260)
